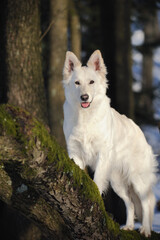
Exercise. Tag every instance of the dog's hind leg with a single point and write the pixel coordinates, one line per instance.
(121, 189)
(146, 226)
(152, 203)
(147, 202)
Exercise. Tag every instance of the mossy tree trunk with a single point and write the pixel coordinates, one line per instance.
(23, 56)
(38, 179)
(21, 83)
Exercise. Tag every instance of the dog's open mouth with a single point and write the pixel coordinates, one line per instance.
(85, 104)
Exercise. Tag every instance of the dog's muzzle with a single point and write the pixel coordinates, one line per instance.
(84, 98)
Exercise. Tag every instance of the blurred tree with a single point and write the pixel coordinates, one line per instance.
(23, 57)
(58, 48)
(151, 32)
(89, 13)
(147, 20)
(75, 29)
(115, 22)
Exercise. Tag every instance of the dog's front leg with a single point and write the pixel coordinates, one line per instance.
(102, 172)
(77, 160)
(75, 153)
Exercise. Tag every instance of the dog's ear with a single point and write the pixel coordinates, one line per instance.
(71, 62)
(96, 62)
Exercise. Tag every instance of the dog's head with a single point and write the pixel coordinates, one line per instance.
(84, 85)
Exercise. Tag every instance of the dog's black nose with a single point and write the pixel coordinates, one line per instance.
(84, 97)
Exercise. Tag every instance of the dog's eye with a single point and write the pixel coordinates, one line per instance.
(77, 83)
(91, 82)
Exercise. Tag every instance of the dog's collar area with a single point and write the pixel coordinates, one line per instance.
(85, 104)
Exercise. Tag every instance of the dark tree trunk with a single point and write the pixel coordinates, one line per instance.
(3, 70)
(117, 53)
(151, 32)
(23, 57)
(38, 179)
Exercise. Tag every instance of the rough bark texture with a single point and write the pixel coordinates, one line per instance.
(58, 47)
(23, 57)
(38, 179)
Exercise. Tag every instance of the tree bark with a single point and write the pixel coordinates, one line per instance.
(38, 179)
(58, 48)
(124, 93)
(151, 33)
(75, 33)
(23, 57)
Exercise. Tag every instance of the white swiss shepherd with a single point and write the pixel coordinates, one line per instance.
(111, 144)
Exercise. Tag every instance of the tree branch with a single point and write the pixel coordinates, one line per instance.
(39, 180)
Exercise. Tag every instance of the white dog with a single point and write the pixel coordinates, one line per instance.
(110, 143)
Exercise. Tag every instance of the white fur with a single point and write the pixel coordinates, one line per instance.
(110, 143)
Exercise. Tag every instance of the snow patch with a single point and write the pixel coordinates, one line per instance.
(137, 37)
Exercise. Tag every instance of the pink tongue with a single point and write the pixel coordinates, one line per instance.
(85, 104)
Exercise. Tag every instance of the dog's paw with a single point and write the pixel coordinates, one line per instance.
(145, 232)
(128, 227)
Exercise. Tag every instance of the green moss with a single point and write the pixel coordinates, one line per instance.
(28, 173)
(132, 235)
(7, 123)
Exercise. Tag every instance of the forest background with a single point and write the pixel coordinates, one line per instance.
(34, 37)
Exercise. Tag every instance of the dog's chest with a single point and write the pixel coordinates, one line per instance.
(89, 141)
(89, 148)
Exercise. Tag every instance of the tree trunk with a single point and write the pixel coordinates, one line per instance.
(3, 70)
(151, 32)
(117, 53)
(124, 94)
(38, 179)
(58, 47)
(21, 83)
(23, 57)
(75, 28)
